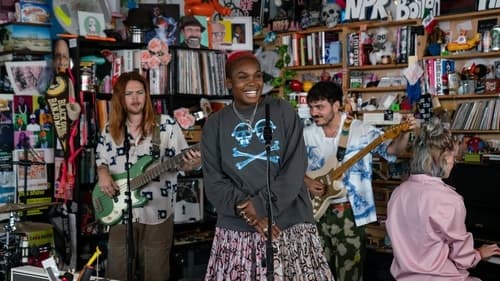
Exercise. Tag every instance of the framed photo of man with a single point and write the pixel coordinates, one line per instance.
(238, 31)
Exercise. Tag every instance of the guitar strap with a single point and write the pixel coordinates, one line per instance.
(344, 134)
(156, 137)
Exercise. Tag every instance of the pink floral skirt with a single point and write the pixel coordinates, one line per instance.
(237, 255)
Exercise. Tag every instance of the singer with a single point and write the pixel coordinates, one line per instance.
(234, 169)
(132, 114)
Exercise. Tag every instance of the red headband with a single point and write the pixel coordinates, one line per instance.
(238, 55)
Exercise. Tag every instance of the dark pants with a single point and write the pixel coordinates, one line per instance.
(152, 251)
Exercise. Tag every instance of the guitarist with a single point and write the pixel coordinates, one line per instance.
(342, 226)
(152, 224)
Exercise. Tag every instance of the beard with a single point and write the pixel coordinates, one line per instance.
(193, 42)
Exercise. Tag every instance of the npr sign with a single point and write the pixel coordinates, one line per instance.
(377, 9)
(488, 4)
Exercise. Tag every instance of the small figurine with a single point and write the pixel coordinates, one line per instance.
(381, 46)
(305, 19)
(462, 43)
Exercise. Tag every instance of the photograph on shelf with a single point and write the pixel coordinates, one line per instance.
(497, 69)
(25, 37)
(28, 77)
(91, 24)
(219, 38)
(195, 41)
(238, 32)
(159, 21)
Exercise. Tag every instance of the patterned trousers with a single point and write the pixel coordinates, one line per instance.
(343, 242)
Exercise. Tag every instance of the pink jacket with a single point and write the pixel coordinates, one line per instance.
(426, 225)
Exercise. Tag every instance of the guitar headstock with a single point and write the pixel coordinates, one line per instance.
(395, 130)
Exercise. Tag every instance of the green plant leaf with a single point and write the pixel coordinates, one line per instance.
(277, 81)
(279, 64)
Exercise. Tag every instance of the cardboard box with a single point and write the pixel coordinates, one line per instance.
(33, 11)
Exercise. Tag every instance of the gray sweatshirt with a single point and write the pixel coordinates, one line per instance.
(234, 165)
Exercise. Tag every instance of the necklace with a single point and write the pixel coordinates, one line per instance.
(242, 118)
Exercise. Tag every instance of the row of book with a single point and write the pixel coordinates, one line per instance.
(366, 47)
(313, 48)
(197, 72)
(436, 75)
(477, 115)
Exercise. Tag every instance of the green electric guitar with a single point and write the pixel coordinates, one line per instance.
(109, 210)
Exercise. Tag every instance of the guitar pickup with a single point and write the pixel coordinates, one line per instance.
(97, 205)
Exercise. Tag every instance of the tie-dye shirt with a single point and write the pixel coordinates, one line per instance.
(357, 179)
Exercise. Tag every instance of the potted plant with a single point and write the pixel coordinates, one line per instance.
(286, 74)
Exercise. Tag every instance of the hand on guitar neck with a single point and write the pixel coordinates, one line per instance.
(191, 160)
(325, 183)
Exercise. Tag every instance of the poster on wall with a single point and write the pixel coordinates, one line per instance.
(7, 179)
(28, 77)
(158, 20)
(195, 39)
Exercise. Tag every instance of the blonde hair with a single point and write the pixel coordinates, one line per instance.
(432, 144)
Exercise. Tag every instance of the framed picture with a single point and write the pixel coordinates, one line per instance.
(163, 20)
(219, 38)
(28, 77)
(91, 24)
(497, 69)
(238, 31)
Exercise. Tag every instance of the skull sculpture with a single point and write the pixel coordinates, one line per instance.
(330, 14)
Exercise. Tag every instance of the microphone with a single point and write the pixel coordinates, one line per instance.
(268, 132)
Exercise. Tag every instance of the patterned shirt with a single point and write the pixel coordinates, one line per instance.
(160, 192)
(357, 179)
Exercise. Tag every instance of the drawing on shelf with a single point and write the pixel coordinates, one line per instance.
(28, 77)
(91, 24)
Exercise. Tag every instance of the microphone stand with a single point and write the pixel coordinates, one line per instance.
(128, 196)
(268, 135)
(26, 163)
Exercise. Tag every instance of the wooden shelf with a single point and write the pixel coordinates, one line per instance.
(382, 23)
(455, 131)
(468, 97)
(314, 67)
(386, 182)
(378, 89)
(467, 55)
(378, 66)
(25, 23)
(468, 16)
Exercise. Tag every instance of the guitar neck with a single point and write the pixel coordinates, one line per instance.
(165, 166)
(336, 173)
